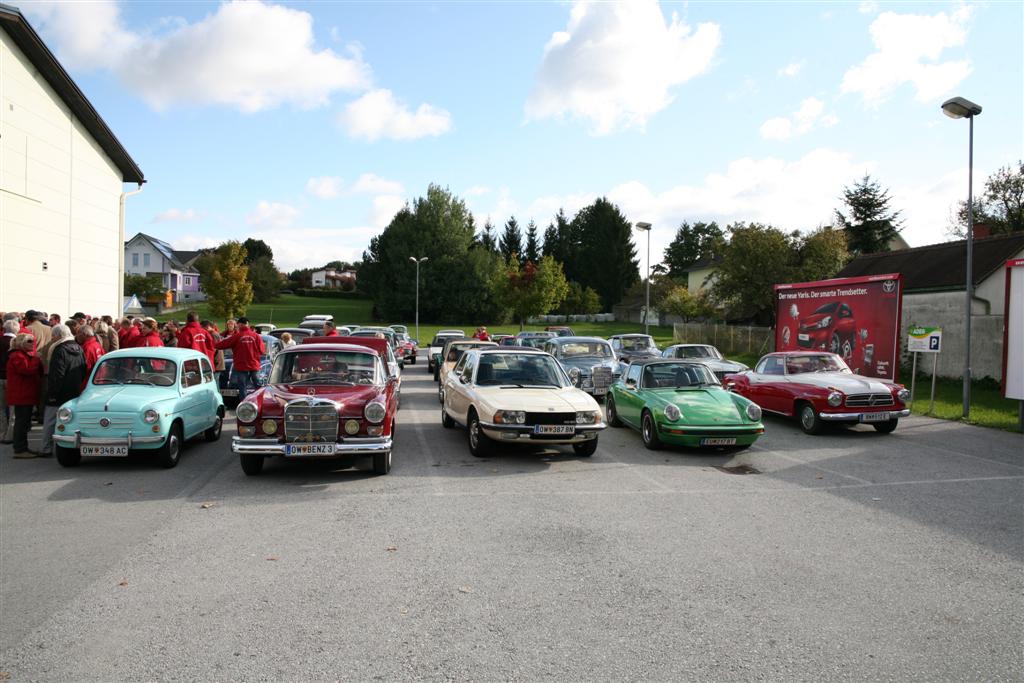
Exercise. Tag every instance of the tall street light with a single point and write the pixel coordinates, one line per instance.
(959, 108)
(418, 261)
(646, 227)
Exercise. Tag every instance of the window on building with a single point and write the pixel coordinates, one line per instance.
(188, 280)
(135, 260)
(145, 260)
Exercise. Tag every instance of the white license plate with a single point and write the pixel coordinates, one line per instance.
(803, 337)
(600, 391)
(554, 429)
(108, 451)
(719, 441)
(874, 417)
(311, 449)
(229, 392)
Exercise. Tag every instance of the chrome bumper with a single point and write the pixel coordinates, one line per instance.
(350, 446)
(524, 433)
(856, 417)
(76, 440)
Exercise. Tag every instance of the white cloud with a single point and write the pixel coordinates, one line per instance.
(378, 114)
(477, 190)
(374, 184)
(927, 206)
(324, 187)
(791, 70)
(247, 55)
(615, 64)
(543, 209)
(192, 242)
(313, 247)
(384, 209)
(178, 216)
(809, 115)
(272, 215)
(867, 7)
(908, 50)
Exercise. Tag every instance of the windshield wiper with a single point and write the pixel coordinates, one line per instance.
(107, 381)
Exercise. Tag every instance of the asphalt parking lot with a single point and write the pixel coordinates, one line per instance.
(851, 555)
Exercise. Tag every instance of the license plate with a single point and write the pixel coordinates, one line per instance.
(874, 417)
(229, 392)
(311, 449)
(600, 391)
(554, 429)
(108, 451)
(803, 337)
(719, 441)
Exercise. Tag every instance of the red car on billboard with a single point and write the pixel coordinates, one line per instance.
(830, 327)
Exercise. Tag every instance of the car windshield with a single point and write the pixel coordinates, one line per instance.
(698, 352)
(796, 365)
(533, 342)
(580, 349)
(519, 370)
(455, 352)
(677, 376)
(156, 372)
(827, 308)
(325, 367)
(440, 340)
(638, 344)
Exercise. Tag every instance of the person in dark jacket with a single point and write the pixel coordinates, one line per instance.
(64, 381)
(246, 348)
(24, 372)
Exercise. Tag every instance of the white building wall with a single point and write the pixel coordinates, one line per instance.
(157, 263)
(319, 278)
(59, 201)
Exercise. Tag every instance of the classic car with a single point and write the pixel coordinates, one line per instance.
(437, 346)
(518, 396)
(264, 328)
(819, 388)
(407, 348)
(830, 327)
(321, 318)
(298, 333)
(589, 362)
(330, 399)
(351, 327)
(271, 346)
(314, 326)
(681, 403)
(707, 354)
(504, 339)
(534, 340)
(400, 329)
(633, 347)
(453, 352)
(149, 400)
(560, 330)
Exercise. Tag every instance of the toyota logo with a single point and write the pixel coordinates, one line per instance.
(889, 286)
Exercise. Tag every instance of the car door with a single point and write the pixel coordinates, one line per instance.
(210, 392)
(767, 382)
(193, 402)
(461, 388)
(630, 404)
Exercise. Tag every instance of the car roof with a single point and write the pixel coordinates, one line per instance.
(162, 352)
(511, 349)
(460, 342)
(336, 344)
(628, 334)
(661, 359)
(564, 340)
(536, 333)
(800, 353)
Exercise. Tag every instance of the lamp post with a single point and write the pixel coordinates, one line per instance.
(959, 108)
(418, 261)
(646, 227)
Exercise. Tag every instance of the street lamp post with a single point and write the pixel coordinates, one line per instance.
(646, 227)
(418, 261)
(959, 108)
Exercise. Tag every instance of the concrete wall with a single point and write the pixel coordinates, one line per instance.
(946, 310)
(59, 201)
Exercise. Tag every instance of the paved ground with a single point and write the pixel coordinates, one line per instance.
(851, 556)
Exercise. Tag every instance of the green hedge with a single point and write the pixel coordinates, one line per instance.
(329, 294)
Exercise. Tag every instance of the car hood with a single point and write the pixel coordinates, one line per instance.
(813, 319)
(724, 365)
(352, 399)
(537, 400)
(704, 405)
(122, 398)
(842, 381)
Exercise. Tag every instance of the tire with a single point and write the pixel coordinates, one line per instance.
(170, 452)
(213, 433)
(610, 413)
(440, 394)
(886, 427)
(252, 463)
(834, 344)
(413, 361)
(649, 432)
(437, 374)
(382, 463)
(480, 445)
(446, 421)
(586, 448)
(809, 420)
(68, 457)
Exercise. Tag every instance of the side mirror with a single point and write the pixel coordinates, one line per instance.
(631, 384)
(463, 379)
(730, 386)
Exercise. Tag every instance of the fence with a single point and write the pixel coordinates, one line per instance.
(729, 339)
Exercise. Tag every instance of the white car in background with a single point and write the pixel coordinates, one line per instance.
(518, 396)
(437, 346)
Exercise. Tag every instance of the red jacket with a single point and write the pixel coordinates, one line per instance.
(148, 339)
(332, 333)
(24, 375)
(246, 348)
(192, 336)
(127, 336)
(93, 351)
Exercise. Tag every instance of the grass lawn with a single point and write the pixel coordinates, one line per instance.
(988, 407)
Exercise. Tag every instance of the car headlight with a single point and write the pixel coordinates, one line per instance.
(754, 412)
(574, 375)
(375, 412)
(514, 417)
(586, 417)
(672, 412)
(65, 415)
(823, 323)
(835, 399)
(150, 416)
(903, 395)
(269, 426)
(246, 412)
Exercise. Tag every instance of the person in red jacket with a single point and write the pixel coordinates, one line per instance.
(330, 330)
(92, 348)
(127, 333)
(150, 334)
(193, 336)
(246, 348)
(24, 376)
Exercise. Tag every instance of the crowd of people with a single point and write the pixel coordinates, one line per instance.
(46, 361)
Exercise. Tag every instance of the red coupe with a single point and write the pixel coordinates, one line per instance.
(333, 398)
(831, 327)
(819, 388)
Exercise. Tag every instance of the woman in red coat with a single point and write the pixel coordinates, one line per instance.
(24, 375)
(150, 336)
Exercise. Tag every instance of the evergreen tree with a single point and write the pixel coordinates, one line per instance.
(511, 242)
(872, 223)
(603, 251)
(532, 253)
(550, 240)
(487, 239)
(692, 243)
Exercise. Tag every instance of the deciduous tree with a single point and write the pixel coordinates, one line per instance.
(1000, 206)
(531, 289)
(143, 286)
(228, 290)
(756, 258)
(692, 243)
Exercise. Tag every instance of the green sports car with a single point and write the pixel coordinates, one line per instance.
(680, 403)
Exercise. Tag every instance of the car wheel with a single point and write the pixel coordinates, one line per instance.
(437, 374)
(252, 463)
(480, 444)
(413, 361)
(440, 395)
(833, 344)
(68, 457)
(612, 415)
(170, 452)
(810, 422)
(382, 462)
(586, 448)
(213, 433)
(446, 421)
(649, 432)
(886, 427)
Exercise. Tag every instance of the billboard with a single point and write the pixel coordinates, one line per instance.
(1013, 331)
(856, 317)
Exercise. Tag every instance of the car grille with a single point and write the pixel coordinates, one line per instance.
(601, 376)
(550, 419)
(117, 420)
(868, 400)
(310, 421)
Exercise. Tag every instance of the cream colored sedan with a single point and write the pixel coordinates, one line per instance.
(516, 395)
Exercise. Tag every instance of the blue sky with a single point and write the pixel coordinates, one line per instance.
(309, 124)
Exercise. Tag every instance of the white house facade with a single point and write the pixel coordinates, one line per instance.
(147, 255)
(62, 173)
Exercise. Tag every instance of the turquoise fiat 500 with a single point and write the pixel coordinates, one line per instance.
(147, 400)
